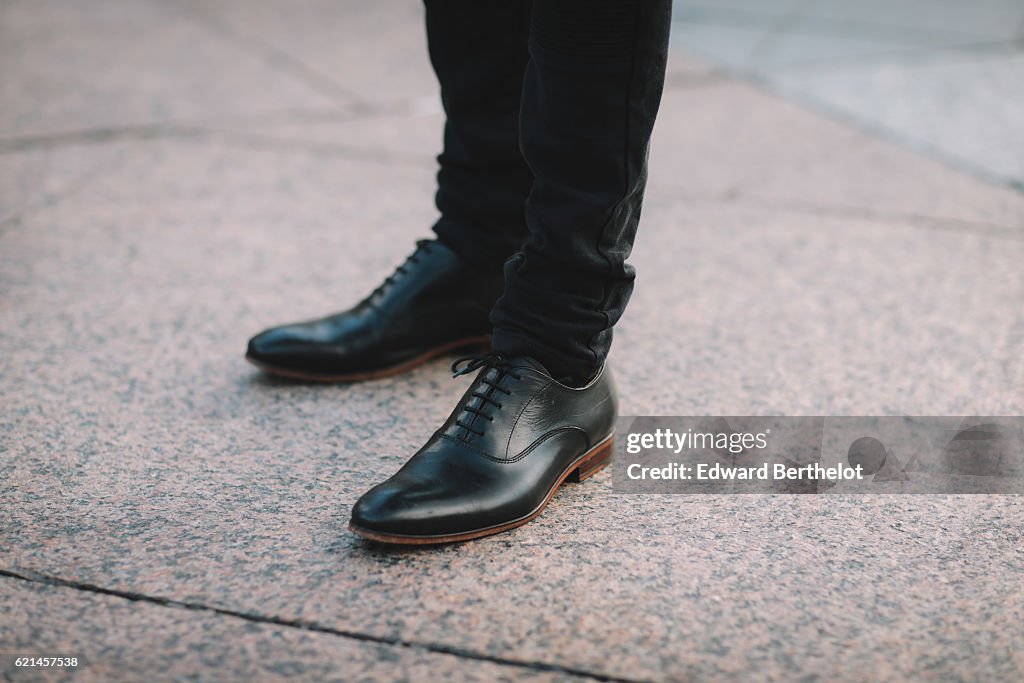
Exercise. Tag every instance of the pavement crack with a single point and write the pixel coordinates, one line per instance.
(38, 578)
(209, 134)
(752, 201)
(92, 136)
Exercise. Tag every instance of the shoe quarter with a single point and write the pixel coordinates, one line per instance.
(540, 417)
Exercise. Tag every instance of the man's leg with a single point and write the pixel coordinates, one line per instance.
(543, 406)
(441, 297)
(479, 52)
(591, 94)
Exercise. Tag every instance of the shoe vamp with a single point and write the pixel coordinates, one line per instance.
(449, 480)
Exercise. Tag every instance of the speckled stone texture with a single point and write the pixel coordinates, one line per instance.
(153, 218)
(122, 640)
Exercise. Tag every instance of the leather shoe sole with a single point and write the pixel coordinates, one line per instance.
(584, 467)
(381, 373)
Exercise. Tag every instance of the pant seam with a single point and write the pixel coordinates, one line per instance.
(602, 309)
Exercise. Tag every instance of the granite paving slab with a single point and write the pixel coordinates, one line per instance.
(176, 175)
(128, 70)
(788, 314)
(119, 639)
(376, 51)
(941, 78)
(731, 141)
(141, 454)
(912, 98)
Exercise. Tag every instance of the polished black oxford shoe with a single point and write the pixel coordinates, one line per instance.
(432, 304)
(514, 437)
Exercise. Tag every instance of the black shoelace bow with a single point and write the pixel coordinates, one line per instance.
(422, 247)
(490, 382)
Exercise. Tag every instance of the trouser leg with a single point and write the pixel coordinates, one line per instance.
(590, 97)
(478, 49)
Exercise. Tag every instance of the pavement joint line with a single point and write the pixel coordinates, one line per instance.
(258, 141)
(274, 56)
(38, 578)
(93, 136)
(909, 219)
(181, 128)
(202, 134)
(920, 221)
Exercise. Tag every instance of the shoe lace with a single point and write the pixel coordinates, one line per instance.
(490, 383)
(422, 247)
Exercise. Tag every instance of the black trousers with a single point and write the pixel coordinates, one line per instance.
(550, 106)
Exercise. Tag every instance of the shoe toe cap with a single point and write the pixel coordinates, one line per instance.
(409, 507)
(382, 508)
(264, 345)
(291, 345)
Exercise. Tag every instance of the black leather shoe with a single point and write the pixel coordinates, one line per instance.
(515, 436)
(431, 304)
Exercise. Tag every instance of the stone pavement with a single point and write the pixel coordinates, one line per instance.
(944, 77)
(177, 174)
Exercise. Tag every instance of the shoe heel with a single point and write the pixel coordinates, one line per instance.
(593, 462)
